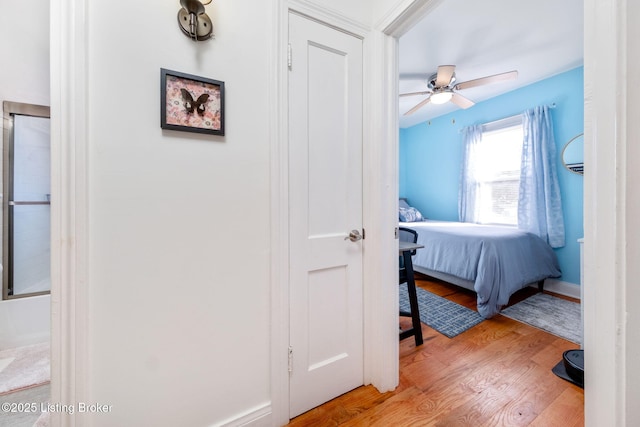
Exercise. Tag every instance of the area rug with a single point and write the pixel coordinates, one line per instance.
(446, 317)
(24, 367)
(554, 315)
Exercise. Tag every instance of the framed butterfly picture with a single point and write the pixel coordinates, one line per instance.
(190, 103)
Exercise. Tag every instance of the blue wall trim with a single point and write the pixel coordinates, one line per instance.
(431, 155)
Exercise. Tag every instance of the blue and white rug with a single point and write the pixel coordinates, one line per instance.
(446, 317)
(554, 315)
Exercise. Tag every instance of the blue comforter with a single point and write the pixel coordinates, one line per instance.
(499, 260)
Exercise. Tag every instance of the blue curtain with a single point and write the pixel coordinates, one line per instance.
(539, 203)
(468, 185)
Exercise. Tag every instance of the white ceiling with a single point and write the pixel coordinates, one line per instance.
(538, 38)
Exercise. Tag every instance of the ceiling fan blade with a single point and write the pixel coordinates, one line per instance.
(417, 107)
(461, 101)
(445, 72)
(402, 95)
(510, 75)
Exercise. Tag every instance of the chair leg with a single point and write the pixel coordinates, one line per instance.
(413, 299)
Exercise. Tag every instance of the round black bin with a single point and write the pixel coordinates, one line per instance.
(574, 364)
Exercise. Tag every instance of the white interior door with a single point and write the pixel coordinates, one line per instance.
(325, 194)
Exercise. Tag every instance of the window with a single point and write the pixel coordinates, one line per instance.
(497, 160)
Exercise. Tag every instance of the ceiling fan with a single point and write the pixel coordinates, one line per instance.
(442, 87)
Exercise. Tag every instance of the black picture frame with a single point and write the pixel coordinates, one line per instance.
(190, 103)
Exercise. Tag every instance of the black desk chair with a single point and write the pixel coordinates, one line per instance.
(405, 275)
(406, 235)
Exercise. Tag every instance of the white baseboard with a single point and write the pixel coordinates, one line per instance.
(563, 288)
(257, 417)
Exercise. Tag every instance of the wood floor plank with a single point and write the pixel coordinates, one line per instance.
(567, 410)
(492, 372)
(343, 408)
(523, 400)
(497, 373)
(550, 356)
(404, 409)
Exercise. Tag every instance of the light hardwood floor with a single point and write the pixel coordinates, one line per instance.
(497, 373)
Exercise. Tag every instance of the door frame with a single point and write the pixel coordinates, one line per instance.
(69, 209)
(280, 321)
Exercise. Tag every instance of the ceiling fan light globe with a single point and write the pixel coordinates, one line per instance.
(441, 97)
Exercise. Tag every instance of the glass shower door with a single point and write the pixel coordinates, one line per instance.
(27, 197)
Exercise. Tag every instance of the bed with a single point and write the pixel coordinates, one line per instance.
(493, 261)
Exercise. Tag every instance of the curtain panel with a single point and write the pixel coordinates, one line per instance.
(539, 201)
(467, 209)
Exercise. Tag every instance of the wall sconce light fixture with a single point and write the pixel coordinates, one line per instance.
(193, 22)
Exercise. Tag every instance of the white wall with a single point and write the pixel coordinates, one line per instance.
(179, 222)
(24, 77)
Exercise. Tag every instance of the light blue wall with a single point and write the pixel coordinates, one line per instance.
(431, 155)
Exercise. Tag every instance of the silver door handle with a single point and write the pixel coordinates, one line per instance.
(354, 236)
